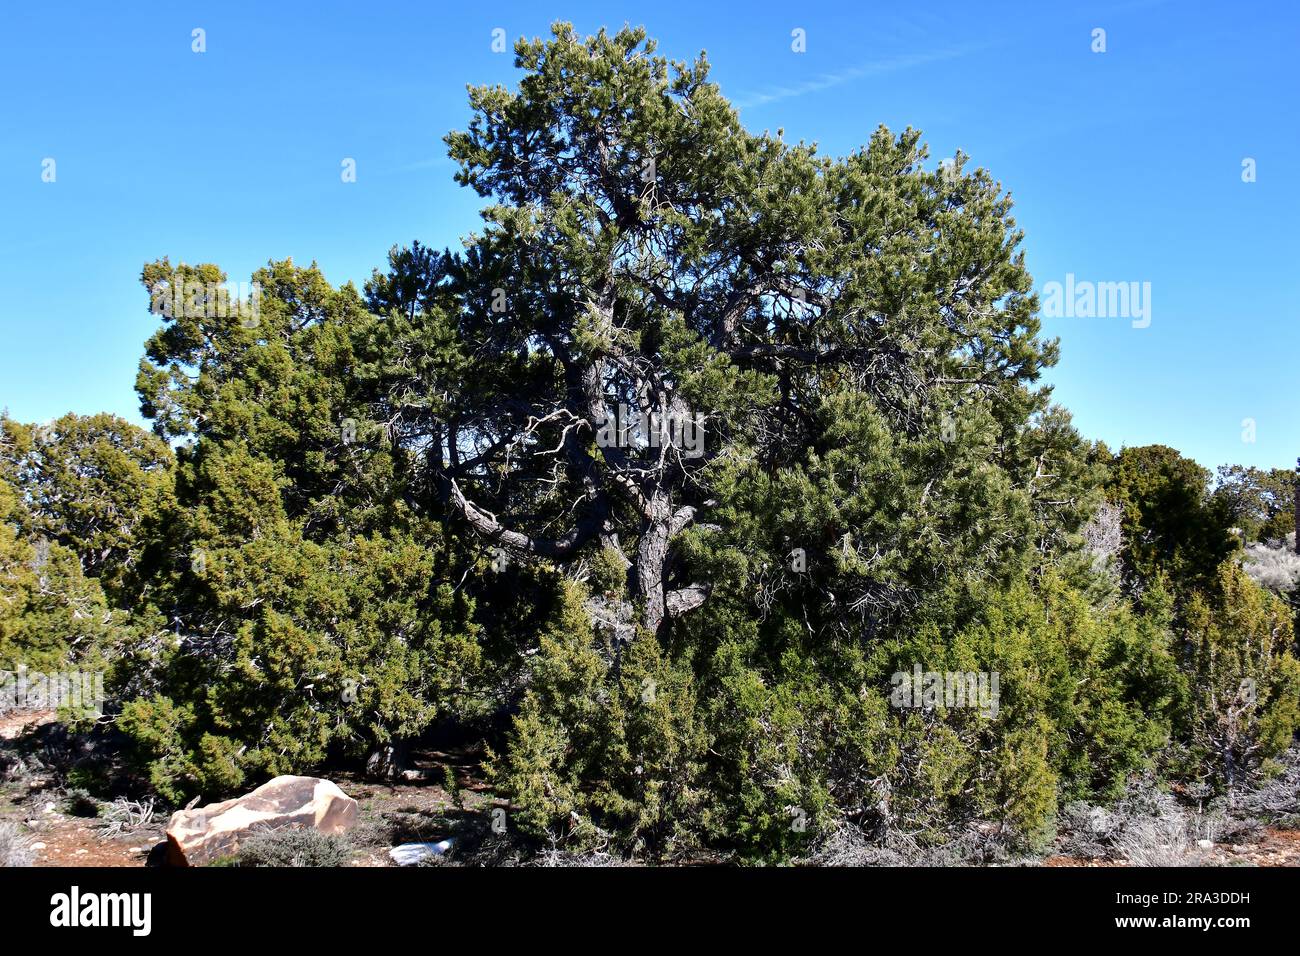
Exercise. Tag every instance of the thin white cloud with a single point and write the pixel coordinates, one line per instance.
(828, 80)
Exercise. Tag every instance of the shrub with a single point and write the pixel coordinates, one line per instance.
(124, 815)
(598, 747)
(1274, 566)
(50, 606)
(451, 787)
(15, 848)
(1275, 798)
(1245, 680)
(608, 572)
(663, 750)
(1172, 525)
(347, 647)
(80, 803)
(848, 845)
(293, 847)
(1146, 827)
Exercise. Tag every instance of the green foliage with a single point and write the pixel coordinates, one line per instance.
(178, 768)
(1245, 679)
(1068, 713)
(392, 508)
(451, 786)
(1172, 525)
(647, 251)
(346, 645)
(761, 750)
(52, 615)
(605, 750)
(1260, 502)
(80, 803)
(608, 572)
(96, 485)
(308, 605)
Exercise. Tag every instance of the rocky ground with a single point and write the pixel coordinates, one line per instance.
(1273, 846)
(66, 831)
(418, 808)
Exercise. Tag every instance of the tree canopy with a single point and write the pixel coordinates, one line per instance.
(679, 469)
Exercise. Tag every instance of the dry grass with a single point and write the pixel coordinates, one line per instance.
(124, 816)
(848, 845)
(15, 848)
(1146, 827)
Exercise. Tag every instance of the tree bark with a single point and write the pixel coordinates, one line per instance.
(387, 761)
(650, 566)
(1297, 506)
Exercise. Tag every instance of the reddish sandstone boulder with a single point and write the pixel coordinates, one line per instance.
(200, 836)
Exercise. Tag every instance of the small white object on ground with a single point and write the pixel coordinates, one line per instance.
(411, 854)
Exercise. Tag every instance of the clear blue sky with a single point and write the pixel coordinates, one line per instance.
(1125, 166)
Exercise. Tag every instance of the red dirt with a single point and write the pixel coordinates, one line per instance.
(1275, 847)
(72, 842)
(14, 724)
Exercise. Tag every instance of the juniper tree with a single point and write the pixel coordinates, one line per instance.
(1244, 676)
(1260, 502)
(95, 484)
(52, 615)
(1172, 526)
(302, 606)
